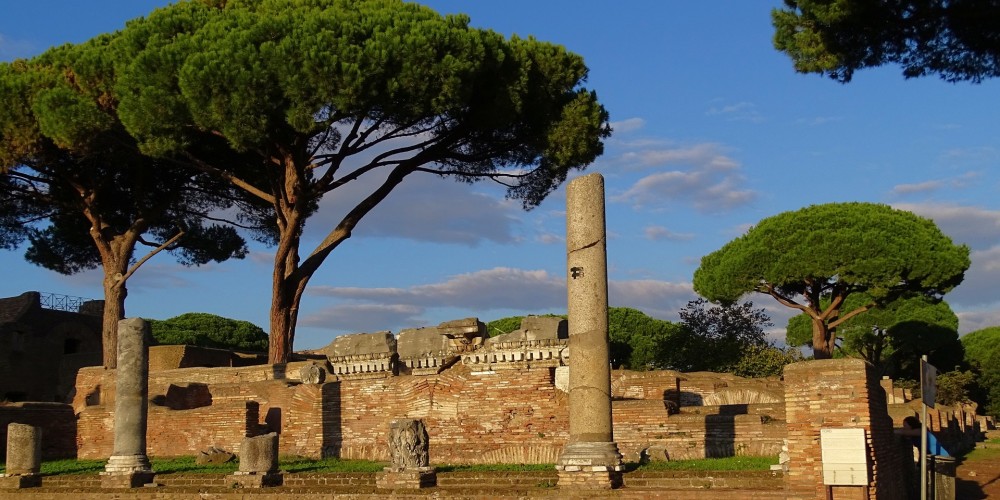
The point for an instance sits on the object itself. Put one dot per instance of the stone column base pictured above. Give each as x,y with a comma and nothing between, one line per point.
16,482
590,480
414,479
591,465
254,480
126,479
126,464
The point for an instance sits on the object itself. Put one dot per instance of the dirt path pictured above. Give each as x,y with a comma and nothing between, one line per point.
978,478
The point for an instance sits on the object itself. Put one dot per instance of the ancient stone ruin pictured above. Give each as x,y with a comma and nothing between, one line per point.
409,458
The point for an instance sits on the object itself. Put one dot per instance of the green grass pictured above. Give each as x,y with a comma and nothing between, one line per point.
293,464
725,463
981,455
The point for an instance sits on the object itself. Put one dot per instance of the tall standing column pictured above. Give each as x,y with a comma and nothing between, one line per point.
129,466
590,458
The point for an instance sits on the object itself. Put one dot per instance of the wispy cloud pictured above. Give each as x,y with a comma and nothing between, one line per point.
628,125
13,49
710,180
740,111
657,233
424,208
957,182
977,227
705,190
817,121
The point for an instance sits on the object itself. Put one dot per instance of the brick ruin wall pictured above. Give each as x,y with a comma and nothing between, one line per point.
840,394
504,416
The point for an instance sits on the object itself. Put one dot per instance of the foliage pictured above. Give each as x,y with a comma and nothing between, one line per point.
638,341
503,325
894,336
831,252
713,464
765,361
982,351
290,101
75,187
714,338
956,40
953,388
209,330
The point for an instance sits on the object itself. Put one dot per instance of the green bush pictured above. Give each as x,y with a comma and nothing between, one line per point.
209,330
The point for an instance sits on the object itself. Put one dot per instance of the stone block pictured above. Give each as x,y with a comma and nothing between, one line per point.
259,454
411,479
12,482
254,480
360,343
126,479
24,449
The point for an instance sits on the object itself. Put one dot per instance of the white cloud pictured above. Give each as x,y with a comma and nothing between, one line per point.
491,289
704,189
365,317
423,208
741,111
660,299
958,182
550,238
705,156
977,227
628,125
657,233
979,287
970,321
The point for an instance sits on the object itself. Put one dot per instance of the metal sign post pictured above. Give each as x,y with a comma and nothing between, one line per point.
928,393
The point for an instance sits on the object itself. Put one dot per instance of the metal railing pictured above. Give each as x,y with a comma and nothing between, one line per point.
60,302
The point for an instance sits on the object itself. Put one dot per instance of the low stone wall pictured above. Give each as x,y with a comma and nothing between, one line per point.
515,415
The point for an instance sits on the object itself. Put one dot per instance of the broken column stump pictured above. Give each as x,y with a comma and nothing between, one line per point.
258,463
408,450
24,457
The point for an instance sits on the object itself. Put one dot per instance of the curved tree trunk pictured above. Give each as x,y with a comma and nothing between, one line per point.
114,311
822,339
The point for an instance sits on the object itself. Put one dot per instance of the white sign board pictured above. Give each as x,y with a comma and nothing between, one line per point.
845,457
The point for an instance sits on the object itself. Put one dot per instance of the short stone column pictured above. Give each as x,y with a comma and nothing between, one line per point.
24,457
129,466
258,463
591,458
408,450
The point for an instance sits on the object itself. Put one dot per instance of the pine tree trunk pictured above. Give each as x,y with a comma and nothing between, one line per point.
822,340
114,311
279,347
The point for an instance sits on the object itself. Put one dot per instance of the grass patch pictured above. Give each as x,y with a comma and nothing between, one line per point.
187,465
982,455
294,464
724,463
494,467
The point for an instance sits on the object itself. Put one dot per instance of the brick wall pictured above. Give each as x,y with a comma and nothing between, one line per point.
839,393
56,420
506,416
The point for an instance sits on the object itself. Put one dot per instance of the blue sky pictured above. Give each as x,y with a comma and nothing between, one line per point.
713,132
